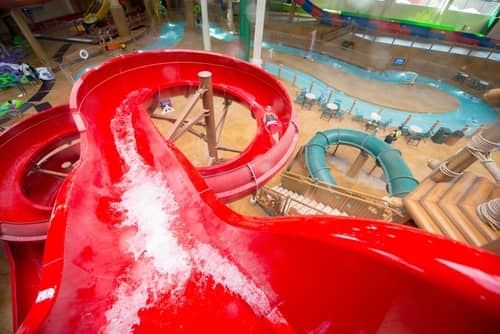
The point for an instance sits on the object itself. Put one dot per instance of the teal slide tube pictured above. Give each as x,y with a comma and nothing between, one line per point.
400,180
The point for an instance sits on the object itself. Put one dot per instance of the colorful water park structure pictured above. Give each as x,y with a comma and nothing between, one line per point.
108,227
93,214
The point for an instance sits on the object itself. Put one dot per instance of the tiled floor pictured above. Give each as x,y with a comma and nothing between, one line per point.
415,97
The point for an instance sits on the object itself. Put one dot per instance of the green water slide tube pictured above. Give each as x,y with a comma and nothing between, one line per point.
400,180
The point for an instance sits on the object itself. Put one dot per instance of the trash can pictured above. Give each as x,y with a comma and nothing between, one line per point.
441,135
454,137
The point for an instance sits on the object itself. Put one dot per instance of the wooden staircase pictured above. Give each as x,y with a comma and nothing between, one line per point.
449,208
301,195
301,205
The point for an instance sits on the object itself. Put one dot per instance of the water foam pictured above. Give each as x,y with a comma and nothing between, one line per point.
162,264
148,206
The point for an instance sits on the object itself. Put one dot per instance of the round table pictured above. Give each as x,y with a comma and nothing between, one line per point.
310,96
332,106
375,116
414,129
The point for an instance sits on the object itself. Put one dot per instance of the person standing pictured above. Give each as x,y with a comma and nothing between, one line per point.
390,138
397,133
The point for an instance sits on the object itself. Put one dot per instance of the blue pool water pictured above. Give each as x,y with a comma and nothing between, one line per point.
170,35
472,111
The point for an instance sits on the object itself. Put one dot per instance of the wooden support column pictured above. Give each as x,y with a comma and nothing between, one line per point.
357,164
18,16
291,14
208,106
120,19
189,15
148,6
464,158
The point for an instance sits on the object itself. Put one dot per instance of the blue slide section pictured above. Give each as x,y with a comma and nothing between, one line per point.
400,180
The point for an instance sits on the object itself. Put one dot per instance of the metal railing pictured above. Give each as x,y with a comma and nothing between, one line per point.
373,61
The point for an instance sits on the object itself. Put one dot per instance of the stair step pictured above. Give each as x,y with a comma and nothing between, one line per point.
430,203
307,201
449,205
416,211
320,206
478,193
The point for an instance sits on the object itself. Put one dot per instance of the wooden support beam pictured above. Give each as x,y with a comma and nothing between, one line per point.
51,172
220,122
185,112
228,149
173,119
187,125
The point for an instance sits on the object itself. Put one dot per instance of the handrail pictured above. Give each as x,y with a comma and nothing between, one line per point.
379,63
352,202
427,40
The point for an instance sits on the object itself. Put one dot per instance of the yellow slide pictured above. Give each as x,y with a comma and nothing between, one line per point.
96,11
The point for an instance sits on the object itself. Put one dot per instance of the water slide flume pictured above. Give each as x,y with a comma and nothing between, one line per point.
28,191
45,147
139,243
400,180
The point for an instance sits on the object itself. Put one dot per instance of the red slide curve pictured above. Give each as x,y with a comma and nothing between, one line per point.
49,140
45,141
138,243
28,195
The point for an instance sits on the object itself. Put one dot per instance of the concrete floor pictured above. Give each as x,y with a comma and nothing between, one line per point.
240,127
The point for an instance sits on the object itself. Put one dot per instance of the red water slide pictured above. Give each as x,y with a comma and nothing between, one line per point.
138,243
44,147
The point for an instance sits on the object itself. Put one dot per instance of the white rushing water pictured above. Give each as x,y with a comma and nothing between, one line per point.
163,265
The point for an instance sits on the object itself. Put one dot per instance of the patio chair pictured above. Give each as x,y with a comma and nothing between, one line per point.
385,123
357,116
340,113
414,139
327,114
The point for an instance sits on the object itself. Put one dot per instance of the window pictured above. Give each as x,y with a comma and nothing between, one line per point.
482,7
425,3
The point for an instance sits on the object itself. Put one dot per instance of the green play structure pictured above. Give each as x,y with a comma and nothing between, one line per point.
400,180
5,110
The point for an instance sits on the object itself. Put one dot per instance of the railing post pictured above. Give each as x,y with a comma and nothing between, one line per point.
352,106
311,86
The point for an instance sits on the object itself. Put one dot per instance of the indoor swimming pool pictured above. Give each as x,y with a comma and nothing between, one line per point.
472,111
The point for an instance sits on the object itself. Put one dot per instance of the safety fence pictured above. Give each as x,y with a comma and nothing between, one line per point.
353,203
